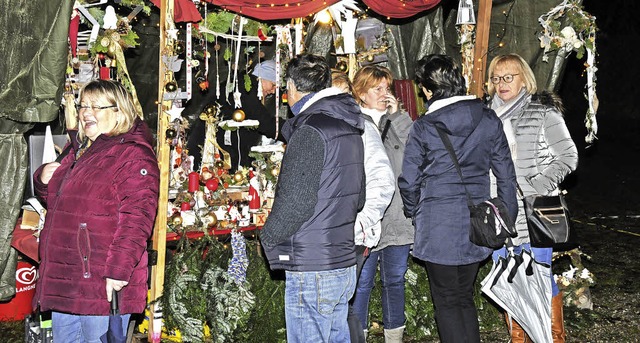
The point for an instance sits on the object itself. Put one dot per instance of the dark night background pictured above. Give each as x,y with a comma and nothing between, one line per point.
607,180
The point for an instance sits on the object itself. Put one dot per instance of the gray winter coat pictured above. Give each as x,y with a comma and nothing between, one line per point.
396,228
545,153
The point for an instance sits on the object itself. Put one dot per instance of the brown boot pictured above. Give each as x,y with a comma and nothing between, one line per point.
557,320
517,332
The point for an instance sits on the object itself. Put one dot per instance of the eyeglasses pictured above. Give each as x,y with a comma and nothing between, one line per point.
381,89
507,78
93,108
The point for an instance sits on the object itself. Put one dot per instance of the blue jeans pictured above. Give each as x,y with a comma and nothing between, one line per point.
542,255
82,328
316,305
393,265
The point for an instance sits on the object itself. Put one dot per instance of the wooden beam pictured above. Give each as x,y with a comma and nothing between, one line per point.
163,153
481,48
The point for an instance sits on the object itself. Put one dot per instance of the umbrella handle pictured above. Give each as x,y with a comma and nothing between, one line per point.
115,309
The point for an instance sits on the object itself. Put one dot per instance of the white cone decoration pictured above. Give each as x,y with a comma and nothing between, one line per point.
49,150
465,13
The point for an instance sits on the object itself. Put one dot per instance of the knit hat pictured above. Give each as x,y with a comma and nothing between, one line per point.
266,70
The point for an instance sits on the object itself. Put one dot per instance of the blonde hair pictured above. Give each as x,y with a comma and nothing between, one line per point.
114,94
340,79
521,66
368,77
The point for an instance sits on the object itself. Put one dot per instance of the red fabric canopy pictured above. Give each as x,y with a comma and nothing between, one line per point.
286,9
183,11
186,11
400,8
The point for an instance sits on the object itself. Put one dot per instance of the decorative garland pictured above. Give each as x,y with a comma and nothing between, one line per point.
578,34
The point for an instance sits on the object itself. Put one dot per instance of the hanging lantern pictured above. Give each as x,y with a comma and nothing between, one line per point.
238,115
465,13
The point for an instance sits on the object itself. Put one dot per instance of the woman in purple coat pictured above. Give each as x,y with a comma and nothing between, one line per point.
101,201
434,194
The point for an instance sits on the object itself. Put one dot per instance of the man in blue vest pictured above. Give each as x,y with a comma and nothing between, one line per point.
309,232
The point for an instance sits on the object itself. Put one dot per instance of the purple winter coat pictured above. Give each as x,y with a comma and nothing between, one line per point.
100,213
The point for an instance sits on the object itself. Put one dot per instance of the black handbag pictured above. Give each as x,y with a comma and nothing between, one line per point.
548,220
490,225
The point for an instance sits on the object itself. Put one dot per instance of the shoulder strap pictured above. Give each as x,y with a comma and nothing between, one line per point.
385,130
452,153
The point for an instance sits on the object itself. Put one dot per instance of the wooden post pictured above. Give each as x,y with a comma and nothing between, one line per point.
481,48
163,153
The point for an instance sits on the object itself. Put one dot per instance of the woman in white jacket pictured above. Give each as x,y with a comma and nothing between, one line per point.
379,176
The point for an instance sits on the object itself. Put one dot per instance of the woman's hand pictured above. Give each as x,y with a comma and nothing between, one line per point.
47,172
392,103
116,285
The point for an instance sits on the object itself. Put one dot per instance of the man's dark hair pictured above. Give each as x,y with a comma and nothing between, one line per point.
309,73
441,75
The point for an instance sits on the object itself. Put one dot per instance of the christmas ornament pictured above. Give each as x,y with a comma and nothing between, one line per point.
205,175
204,85
370,58
178,47
238,115
176,219
185,206
219,164
212,184
171,133
254,186
342,66
171,86
238,177
210,219
275,171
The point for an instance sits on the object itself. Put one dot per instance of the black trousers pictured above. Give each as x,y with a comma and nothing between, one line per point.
452,295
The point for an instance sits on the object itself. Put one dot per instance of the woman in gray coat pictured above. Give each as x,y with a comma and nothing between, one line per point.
371,88
434,194
543,153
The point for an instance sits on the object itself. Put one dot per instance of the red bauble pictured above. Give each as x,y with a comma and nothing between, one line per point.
212,184
185,206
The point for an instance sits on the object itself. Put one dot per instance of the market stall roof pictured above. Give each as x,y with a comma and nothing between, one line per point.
287,9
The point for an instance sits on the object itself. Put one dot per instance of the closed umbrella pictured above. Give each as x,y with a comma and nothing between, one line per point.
115,333
522,287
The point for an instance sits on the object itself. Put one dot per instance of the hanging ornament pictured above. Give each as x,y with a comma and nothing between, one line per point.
275,171
178,47
370,58
185,206
171,133
239,262
261,35
176,219
238,115
171,86
219,164
342,66
238,177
